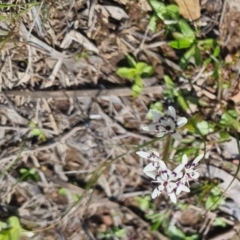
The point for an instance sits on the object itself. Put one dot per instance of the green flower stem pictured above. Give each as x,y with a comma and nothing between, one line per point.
166,148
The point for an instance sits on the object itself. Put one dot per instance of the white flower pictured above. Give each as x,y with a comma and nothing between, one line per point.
189,167
153,167
167,180
166,123
189,172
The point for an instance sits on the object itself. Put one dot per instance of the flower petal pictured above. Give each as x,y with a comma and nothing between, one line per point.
171,186
150,128
143,154
184,159
176,172
181,188
176,136
162,165
181,121
156,115
197,159
153,156
151,167
161,134
172,124
151,174
157,191
172,112
173,197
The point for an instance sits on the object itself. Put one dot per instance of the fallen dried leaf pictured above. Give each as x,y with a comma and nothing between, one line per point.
78,37
189,9
116,12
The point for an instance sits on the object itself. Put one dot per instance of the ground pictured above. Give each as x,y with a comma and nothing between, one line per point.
71,123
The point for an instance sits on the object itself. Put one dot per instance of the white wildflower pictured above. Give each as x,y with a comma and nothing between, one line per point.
166,123
152,167
167,180
189,172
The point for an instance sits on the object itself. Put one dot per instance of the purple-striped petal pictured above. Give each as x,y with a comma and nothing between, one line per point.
156,115
172,112
157,191
151,167
197,159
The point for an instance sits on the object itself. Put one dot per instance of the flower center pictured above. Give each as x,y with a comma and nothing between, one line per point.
168,128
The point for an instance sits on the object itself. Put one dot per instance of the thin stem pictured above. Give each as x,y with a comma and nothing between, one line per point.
166,148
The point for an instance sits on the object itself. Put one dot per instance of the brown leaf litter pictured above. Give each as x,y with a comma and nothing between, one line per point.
58,70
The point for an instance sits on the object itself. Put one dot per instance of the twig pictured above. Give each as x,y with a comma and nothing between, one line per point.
134,194
120,92
224,7
51,118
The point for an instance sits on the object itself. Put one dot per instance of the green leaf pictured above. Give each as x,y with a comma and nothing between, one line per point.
207,43
216,51
155,226
204,128
233,113
186,29
140,66
219,222
148,70
173,11
157,6
180,44
152,23
178,35
207,61
176,233
186,57
224,135
138,81
62,191
35,132
168,81
197,56
128,73
120,233
216,191
131,61
136,90
182,103
144,202
39,133
228,120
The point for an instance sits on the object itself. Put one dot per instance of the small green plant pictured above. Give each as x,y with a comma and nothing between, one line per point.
63,191
176,233
12,230
162,219
229,119
156,218
185,38
35,131
169,14
135,72
112,233
29,174
213,200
